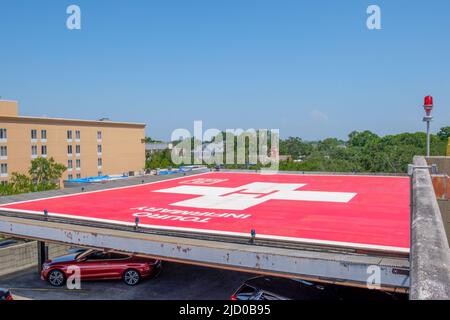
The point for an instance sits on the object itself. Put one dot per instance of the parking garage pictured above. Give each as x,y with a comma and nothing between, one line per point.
330,228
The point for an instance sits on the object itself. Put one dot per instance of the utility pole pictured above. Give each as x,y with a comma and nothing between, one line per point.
428,107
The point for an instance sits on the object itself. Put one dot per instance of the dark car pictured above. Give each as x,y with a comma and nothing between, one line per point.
5,294
100,265
7,242
271,288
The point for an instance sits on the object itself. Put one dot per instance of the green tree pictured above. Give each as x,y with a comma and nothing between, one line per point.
151,140
43,171
295,147
6,189
361,139
21,183
365,152
444,133
159,159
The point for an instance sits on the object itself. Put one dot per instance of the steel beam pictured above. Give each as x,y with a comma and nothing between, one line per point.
325,266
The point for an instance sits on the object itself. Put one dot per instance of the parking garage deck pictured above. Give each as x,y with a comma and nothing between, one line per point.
310,226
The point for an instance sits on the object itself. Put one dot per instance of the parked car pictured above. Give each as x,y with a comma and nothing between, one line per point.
7,242
100,265
5,294
271,288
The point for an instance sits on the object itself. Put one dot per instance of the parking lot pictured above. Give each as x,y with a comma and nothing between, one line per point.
176,281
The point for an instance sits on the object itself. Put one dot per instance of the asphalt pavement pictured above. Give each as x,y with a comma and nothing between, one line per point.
175,282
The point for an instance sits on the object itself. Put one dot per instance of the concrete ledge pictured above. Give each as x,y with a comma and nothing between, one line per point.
319,266
430,253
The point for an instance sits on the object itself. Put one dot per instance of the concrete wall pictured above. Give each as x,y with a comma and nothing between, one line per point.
444,206
23,256
430,253
443,164
441,184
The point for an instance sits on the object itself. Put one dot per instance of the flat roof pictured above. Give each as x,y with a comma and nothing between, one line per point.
63,120
362,212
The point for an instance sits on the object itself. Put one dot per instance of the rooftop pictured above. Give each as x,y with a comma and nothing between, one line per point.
9,112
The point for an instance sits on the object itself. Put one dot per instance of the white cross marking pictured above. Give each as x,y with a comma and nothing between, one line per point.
250,195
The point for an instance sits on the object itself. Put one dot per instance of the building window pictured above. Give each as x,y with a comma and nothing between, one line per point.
99,162
34,151
100,173
3,151
99,148
77,135
44,151
78,175
33,134
69,164
69,134
3,134
69,150
99,135
4,169
77,149
78,163
44,134
70,176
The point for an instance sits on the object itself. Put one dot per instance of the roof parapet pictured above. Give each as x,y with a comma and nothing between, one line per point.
430,253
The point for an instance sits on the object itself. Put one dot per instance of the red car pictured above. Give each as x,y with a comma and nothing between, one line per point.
100,265
5,295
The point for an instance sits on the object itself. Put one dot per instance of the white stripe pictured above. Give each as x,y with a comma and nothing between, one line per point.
320,196
103,190
197,190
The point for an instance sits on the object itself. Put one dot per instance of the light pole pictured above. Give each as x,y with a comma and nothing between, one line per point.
428,106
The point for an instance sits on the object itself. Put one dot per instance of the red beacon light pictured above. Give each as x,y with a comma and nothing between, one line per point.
428,101
428,105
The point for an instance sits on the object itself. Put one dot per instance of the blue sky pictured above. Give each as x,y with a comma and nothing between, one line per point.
309,68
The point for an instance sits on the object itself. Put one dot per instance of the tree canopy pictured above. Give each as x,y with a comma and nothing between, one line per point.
46,171
363,151
444,133
43,175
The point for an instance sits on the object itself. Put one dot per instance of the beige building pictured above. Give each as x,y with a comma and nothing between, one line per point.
86,148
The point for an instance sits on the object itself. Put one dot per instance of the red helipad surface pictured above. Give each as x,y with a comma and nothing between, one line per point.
368,212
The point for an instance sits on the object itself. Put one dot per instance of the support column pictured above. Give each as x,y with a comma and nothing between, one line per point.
42,250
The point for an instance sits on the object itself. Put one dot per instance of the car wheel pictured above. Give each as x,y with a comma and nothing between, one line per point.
131,277
56,278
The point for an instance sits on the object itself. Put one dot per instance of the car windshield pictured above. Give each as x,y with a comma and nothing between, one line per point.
100,255
84,254
246,292
79,255
269,296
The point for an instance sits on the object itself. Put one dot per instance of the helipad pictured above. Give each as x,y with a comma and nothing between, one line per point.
362,212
